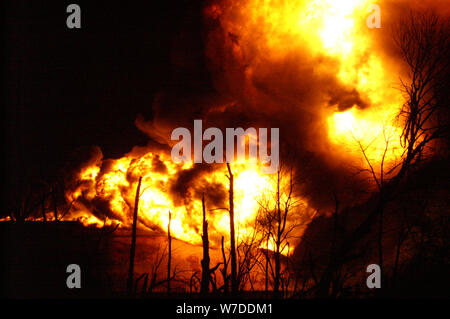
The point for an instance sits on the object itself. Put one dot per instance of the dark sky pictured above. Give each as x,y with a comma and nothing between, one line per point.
70,88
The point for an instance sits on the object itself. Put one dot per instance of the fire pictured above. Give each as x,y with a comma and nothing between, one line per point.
375,128
155,201
332,35
377,137
343,36
327,30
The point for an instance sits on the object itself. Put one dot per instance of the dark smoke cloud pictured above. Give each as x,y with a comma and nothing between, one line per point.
288,93
346,99
158,165
210,81
249,90
83,157
189,185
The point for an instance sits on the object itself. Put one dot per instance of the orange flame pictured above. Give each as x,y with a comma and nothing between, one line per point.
327,29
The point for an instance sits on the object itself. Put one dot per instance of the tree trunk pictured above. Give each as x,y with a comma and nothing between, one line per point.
169,258
267,262
133,241
276,285
234,287
205,261
224,270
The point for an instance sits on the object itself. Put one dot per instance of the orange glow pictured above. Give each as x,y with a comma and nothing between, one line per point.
156,202
268,31
336,32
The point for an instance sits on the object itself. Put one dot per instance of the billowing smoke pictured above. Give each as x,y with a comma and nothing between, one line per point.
262,75
255,65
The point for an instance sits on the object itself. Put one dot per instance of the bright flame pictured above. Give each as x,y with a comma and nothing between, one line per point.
325,29
378,138
156,201
333,31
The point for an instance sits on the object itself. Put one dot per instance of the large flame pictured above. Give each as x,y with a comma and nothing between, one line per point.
326,29
155,199
337,31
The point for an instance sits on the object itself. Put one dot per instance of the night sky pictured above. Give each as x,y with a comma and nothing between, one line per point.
72,88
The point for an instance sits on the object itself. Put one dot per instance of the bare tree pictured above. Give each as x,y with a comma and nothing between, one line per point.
26,200
158,258
267,222
277,212
61,206
208,275
133,241
380,177
225,276
248,254
205,261
423,40
424,43
169,257
234,285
